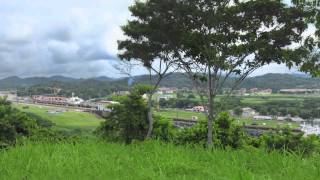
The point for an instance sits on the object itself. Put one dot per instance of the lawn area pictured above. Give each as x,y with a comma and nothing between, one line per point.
180,114
254,100
150,160
69,120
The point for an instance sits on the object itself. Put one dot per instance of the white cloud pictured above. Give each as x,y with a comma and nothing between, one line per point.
72,38
273,68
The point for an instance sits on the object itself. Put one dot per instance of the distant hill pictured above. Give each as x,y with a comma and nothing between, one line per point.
102,86
103,78
174,80
281,81
273,81
15,82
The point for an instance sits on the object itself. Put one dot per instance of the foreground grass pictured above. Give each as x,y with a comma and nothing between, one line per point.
151,160
67,120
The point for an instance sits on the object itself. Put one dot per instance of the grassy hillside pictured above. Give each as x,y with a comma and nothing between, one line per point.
151,160
70,120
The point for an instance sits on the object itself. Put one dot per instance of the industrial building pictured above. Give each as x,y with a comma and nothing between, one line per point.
50,100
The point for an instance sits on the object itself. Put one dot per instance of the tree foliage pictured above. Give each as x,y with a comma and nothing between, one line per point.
226,134
213,40
147,42
128,120
14,124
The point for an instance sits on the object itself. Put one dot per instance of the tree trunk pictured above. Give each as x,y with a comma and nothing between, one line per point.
150,118
210,108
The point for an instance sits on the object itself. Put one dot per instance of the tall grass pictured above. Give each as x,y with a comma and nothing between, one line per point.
149,160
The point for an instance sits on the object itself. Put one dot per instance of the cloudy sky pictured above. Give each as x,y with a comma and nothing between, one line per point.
76,38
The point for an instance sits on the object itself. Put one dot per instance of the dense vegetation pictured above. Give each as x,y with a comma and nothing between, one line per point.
18,123
128,123
14,124
177,154
150,160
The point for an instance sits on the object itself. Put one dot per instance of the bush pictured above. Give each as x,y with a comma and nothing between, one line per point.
285,141
14,124
225,133
163,129
127,121
194,135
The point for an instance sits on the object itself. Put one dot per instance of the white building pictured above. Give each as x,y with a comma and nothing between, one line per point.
165,97
75,100
104,103
297,119
288,118
165,90
248,112
198,109
284,118
262,118
299,91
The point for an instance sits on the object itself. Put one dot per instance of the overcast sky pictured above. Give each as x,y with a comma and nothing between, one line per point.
76,38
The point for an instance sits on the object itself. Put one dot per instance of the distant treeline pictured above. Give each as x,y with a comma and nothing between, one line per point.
102,86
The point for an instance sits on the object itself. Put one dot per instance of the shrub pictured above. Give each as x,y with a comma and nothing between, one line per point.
14,124
127,121
194,135
225,133
285,140
163,129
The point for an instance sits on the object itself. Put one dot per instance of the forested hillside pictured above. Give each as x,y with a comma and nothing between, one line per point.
281,81
102,86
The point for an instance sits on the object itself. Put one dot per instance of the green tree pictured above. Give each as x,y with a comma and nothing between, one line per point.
229,43
215,40
311,63
226,38
128,120
146,42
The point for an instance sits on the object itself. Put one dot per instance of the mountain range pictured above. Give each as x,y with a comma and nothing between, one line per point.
273,81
